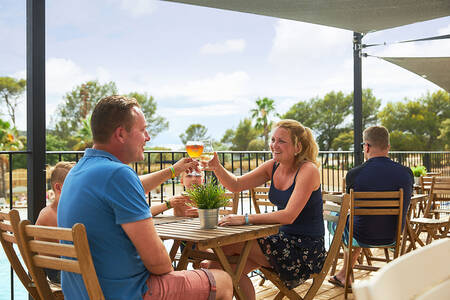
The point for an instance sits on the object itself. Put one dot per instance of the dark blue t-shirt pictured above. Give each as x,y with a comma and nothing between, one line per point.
310,220
379,174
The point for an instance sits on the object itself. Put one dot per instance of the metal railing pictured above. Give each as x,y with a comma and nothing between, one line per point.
334,166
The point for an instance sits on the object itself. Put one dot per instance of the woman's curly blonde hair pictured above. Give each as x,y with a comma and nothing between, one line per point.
302,136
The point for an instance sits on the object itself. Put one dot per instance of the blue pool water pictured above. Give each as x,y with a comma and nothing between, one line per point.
5,281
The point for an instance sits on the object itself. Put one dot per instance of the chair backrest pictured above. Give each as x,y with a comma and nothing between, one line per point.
9,225
335,209
440,192
337,203
433,173
233,204
420,274
45,253
425,183
260,197
378,203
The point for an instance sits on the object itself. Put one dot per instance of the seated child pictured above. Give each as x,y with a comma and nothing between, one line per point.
47,216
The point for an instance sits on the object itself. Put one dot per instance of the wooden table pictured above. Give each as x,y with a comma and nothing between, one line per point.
188,229
408,232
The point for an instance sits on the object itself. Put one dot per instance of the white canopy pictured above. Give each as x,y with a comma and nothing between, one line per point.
356,15
434,69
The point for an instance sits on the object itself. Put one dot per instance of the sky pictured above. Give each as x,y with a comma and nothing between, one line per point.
205,65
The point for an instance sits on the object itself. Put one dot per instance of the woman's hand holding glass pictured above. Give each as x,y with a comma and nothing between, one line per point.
186,164
212,164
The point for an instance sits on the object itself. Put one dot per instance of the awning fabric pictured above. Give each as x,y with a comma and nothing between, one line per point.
434,69
356,15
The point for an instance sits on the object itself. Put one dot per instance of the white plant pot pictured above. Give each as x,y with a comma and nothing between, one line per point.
208,218
417,180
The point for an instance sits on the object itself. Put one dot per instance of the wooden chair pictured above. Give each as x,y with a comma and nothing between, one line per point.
7,239
439,195
373,204
425,183
75,257
260,197
9,226
334,203
233,204
435,228
421,274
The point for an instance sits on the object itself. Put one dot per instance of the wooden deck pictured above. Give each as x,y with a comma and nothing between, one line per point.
327,291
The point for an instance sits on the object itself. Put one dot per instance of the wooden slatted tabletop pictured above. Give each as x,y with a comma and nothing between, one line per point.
188,229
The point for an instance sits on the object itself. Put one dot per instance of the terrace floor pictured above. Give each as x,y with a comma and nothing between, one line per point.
327,291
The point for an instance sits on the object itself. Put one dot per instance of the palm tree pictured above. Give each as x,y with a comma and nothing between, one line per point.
261,113
84,135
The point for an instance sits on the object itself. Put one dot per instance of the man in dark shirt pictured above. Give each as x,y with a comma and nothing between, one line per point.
378,173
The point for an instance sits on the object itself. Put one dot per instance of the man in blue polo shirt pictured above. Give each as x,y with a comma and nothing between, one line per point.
378,173
108,197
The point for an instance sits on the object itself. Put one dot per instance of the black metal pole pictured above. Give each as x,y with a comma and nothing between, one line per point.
35,107
357,98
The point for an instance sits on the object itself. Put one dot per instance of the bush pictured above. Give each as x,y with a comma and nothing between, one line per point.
419,171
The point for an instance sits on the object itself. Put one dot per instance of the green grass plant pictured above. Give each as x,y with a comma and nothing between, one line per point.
419,171
208,196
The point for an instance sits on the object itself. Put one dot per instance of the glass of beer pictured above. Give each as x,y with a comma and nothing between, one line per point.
194,149
208,151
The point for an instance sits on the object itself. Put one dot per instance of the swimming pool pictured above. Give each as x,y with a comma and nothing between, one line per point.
20,293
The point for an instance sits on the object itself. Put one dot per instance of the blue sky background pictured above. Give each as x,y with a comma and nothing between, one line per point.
205,65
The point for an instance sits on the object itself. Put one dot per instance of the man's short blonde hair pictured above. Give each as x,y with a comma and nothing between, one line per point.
59,172
377,136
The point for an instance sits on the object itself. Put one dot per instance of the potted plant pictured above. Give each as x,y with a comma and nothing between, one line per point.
417,172
208,198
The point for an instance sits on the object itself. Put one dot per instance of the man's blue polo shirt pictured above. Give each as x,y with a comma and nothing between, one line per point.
102,193
379,174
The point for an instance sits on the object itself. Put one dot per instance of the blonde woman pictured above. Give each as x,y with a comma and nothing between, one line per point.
297,250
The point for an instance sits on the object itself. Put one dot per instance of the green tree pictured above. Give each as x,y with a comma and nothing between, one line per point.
155,124
304,112
9,141
84,136
445,134
370,108
195,132
54,143
325,116
256,145
265,107
10,91
416,124
227,139
243,135
343,141
78,105
331,113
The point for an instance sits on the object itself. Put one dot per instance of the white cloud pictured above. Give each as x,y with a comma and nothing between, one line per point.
220,87
309,60
237,45
63,74
206,110
138,8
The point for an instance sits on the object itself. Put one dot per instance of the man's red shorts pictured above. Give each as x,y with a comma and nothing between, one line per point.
192,284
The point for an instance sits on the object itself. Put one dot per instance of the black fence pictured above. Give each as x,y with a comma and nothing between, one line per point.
334,166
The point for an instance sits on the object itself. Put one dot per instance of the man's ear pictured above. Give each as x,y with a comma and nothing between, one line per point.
119,134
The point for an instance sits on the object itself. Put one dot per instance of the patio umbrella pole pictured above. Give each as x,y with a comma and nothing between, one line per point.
357,98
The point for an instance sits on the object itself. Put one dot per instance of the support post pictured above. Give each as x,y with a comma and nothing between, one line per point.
357,98
35,107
